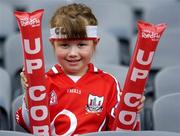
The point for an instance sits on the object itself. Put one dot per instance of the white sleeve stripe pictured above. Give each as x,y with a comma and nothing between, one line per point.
118,90
118,95
112,113
100,128
54,70
117,87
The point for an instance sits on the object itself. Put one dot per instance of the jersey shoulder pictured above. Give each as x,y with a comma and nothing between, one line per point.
107,76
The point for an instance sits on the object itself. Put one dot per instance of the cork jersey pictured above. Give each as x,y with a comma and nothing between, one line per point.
87,105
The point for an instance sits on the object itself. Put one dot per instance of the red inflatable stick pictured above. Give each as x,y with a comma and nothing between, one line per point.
147,41
30,27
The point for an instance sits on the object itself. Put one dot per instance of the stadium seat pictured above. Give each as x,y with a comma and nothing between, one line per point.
158,13
132,133
141,6
167,81
13,58
118,71
4,122
7,26
113,16
166,113
5,99
7,19
148,3
18,3
21,4
13,133
108,49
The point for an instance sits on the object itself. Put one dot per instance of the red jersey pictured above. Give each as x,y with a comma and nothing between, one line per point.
87,105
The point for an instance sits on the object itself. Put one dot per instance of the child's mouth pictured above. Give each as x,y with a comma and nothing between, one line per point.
74,61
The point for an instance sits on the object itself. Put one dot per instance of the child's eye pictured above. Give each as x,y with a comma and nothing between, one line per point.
82,44
64,45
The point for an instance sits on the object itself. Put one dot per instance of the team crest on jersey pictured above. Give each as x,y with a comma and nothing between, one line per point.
53,98
94,104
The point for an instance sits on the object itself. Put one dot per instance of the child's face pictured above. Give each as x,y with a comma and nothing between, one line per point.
74,56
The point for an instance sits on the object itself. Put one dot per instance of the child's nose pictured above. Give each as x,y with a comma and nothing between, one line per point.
73,51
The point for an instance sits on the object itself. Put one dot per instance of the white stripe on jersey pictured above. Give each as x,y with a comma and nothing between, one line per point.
54,70
118,94
100,128
95,69
112,112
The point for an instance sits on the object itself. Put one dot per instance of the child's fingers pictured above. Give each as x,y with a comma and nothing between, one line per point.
24,85
23,77
24,81
141,105
143,99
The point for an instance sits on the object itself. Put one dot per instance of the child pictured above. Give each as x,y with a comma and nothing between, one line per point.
82,98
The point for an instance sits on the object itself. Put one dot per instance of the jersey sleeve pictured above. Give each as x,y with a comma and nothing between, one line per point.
112,104
20,118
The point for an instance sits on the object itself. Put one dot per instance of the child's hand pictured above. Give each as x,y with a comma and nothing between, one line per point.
140,107
24,81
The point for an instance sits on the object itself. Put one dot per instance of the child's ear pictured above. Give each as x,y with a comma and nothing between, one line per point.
97,40
51,41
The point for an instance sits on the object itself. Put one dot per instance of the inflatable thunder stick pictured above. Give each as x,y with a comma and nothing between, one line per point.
30,28
147,41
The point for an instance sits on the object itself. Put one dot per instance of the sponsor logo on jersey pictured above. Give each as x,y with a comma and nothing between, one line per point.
53,98
94,104
74,91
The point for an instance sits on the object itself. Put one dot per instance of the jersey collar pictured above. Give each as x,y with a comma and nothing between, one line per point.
57,69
